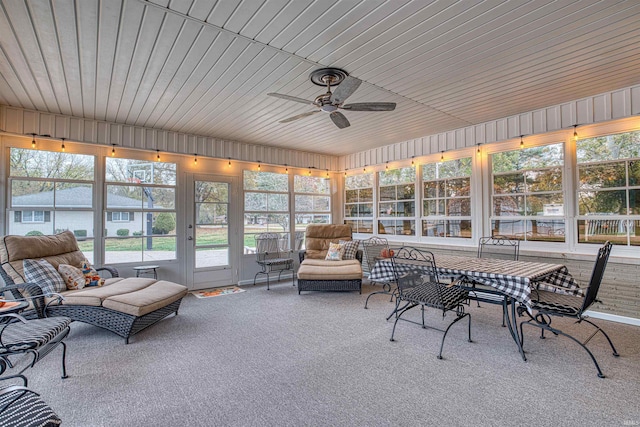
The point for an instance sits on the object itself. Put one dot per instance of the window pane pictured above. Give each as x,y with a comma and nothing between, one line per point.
359,181
80,222
161,248
387,209
509,183
602,230
508,205
351,196
548,230
434,189
458,187
123,250
388,193
544,180
50,164
397,176
634,173
73,195
602,175
278,202
602,202
537,205
140,171
398,227
634,202
255,202
634,230
265,181
304,203
310,184
406,192
124,197
459,207
445,228
365,209
31,193
610,147
513,229
433,207
159,198
528,158
406,208
366,195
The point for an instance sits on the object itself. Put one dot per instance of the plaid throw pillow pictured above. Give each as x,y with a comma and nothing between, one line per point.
40,272
335,252
350,248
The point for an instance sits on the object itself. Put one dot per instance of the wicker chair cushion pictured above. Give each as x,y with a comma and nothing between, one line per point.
564,303
316,269
20,407
44,274
31,334
151,298
318,237
95,295
435,295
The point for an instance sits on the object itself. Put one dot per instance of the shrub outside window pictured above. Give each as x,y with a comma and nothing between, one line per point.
358,208
51,192
446,199
142,194
609,189
396,204
527,199
266,205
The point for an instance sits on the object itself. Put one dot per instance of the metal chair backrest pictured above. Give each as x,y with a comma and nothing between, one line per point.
373,248
425,261
267,246
596,276
511,246
409,281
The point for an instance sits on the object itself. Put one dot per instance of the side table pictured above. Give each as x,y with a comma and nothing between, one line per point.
147,269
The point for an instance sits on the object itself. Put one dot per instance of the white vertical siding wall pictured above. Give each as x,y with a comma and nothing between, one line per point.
600,108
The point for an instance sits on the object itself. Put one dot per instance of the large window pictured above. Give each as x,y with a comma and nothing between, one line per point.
527,199
52,192
140,211
396,204
266,205
446,199
609,189
312,205
358,208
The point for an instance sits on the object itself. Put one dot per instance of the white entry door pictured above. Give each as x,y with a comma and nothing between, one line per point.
212,232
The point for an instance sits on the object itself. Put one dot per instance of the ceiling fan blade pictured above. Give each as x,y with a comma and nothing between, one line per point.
339,119
299,116
370,106
345,89
291,98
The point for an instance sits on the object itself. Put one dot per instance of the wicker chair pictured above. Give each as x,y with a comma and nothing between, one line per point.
270,257
34,337
415,291
549,303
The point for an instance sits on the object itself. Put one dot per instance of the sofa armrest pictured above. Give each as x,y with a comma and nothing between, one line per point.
111,270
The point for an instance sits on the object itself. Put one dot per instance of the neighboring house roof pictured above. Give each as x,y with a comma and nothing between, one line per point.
79,197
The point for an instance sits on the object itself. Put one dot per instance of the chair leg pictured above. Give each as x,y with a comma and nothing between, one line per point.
408,306
449,327
599,329
64,360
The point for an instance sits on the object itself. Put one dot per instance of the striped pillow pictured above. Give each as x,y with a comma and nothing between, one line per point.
43,274
350,248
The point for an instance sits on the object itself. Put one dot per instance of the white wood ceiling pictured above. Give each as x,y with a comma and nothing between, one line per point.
205,67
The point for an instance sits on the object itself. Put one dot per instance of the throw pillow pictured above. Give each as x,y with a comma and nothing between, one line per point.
40,272
73,276
335,252
350,248
91,276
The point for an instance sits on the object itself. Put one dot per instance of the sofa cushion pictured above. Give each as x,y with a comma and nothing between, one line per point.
316,269
40,272
56,249
144,301
318,237
96,295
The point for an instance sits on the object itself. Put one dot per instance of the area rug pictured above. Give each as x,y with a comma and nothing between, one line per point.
216,292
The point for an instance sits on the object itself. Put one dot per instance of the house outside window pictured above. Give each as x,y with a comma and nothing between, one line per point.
358,208
396,204
140,211
446,199
609,189
50,192
527,194
266,205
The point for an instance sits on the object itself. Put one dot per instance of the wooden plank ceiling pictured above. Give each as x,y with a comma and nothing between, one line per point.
204,67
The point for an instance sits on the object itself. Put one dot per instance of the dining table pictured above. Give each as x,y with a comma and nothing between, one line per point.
514,279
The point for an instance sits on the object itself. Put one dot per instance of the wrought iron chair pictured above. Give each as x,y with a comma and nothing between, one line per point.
561,303
489,247
36,337
21,407
373,249
271,258
415,291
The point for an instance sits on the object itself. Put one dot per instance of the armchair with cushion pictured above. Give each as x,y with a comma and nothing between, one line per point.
319,274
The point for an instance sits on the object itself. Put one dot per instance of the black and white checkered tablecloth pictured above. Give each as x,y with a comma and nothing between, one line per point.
514,278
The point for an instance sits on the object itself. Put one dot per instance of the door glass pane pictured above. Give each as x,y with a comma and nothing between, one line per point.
212,257
212,223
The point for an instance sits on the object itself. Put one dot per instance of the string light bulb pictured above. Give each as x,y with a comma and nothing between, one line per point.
62,147
158,156
575,133
521,141
387,166
258,165
113,150
327,173
412,162
442,156
478,150
345,173
364,169
309,172
229,164
286,168
33,140
195,158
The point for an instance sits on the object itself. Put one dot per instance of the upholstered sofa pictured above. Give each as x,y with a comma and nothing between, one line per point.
124,306
317,274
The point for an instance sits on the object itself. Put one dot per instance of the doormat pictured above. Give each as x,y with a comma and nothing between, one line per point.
216,292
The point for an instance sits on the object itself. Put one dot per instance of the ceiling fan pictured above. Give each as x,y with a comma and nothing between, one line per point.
330,102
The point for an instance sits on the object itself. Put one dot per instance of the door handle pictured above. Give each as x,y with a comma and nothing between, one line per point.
189,238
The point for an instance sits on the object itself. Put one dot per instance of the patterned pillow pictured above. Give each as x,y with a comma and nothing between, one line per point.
335,252
91,276
73,276
40,272
350,248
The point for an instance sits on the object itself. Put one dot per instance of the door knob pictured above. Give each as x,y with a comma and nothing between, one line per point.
189,238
